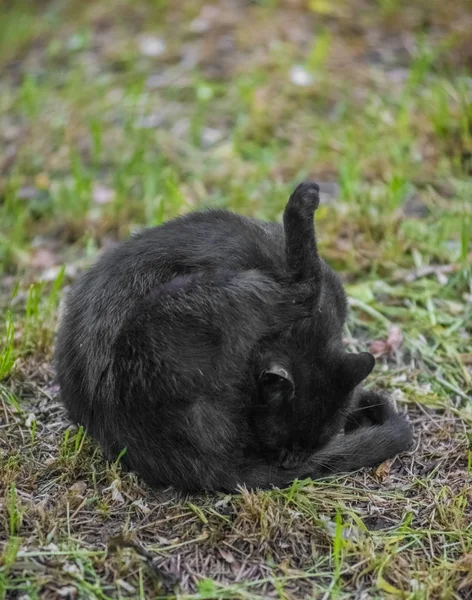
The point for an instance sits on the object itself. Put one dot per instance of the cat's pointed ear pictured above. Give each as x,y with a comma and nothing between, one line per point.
275,384
351,369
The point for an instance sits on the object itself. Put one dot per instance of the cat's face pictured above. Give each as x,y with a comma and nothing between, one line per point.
304,388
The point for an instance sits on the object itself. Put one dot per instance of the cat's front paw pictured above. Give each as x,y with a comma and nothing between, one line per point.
370,408
305,198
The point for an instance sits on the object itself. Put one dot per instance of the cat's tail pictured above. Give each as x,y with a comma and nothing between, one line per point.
365,447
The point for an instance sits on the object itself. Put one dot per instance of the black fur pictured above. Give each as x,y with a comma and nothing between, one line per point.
211,348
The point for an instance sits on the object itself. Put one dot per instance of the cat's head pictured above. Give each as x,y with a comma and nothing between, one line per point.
305,379
303,394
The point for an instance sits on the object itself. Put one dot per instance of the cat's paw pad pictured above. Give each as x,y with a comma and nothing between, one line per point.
306,196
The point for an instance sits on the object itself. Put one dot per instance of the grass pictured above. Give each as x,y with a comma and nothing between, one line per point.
104,130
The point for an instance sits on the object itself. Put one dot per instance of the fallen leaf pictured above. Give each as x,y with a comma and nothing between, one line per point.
116,495
166,541
224,502
378,347
78,488
143,507
227,556
391,344
383,470
395,338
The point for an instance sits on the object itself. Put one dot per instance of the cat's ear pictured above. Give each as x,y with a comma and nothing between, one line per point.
351,369
276,385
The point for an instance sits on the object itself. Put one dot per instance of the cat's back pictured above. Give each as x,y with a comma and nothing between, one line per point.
207,240
211,239
99,303
200,241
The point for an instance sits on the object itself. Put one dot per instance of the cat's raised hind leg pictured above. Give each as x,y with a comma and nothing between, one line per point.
303,260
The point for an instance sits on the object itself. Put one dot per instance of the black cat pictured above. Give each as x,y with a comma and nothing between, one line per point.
211,349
